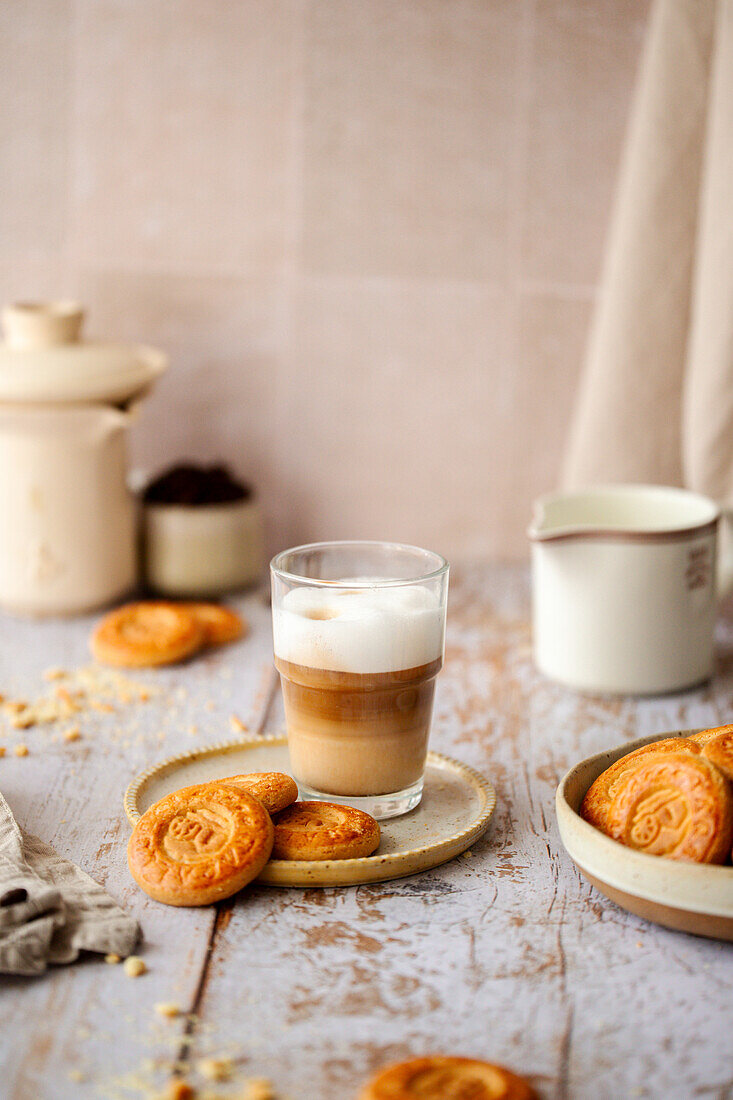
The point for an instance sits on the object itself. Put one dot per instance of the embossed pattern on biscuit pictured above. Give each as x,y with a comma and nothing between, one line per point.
673,804
446,1078
324,830
597,802
200,844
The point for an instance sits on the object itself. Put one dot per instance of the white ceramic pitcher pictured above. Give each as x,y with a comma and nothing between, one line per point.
67,534
625,585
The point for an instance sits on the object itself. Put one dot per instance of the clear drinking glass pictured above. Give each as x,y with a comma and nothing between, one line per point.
359,633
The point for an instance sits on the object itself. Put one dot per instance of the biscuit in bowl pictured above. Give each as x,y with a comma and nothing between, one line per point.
275,790
673,804
200,844
324,830
220,624
597,802
446,1078
717,745
144,634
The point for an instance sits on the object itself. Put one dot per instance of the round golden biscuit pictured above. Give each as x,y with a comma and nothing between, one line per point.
717,746
444,1078
674,804
598,798
275,790
138,635
324,830
200,844
220,624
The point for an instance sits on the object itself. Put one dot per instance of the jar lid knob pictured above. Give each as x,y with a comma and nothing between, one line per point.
41,324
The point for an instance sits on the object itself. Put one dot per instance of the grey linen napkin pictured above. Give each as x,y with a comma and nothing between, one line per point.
50,910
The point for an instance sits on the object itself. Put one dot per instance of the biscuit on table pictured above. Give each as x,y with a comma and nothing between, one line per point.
599,795
152,632
275,790
717,745
200,844
674,804
220,624
324,830
437,1078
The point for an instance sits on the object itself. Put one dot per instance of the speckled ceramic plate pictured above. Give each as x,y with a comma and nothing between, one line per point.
689,897
456,808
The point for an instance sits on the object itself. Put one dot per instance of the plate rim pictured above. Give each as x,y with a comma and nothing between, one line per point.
644,876
284,867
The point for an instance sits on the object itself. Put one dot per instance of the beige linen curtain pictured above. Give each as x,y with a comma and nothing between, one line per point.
656,397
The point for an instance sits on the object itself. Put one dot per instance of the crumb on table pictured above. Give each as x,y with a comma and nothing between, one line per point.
134,966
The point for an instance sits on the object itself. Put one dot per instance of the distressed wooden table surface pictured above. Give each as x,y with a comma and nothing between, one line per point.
507,954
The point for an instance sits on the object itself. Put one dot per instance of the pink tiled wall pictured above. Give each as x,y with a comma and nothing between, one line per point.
367,231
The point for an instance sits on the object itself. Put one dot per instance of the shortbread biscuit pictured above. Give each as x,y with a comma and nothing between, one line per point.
150,633
438,1078
674,804
200,844
717,745
275,790
220,624
598,797
324,830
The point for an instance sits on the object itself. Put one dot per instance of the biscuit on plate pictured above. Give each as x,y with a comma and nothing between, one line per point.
674,804
220,624
200,844
437,1078
324,830
152,632
717,745
599,795
275,790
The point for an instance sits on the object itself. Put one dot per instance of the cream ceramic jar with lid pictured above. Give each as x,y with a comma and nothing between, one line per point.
68,536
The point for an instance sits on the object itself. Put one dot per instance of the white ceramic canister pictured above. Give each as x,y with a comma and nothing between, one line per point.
202,550
625,588
68,532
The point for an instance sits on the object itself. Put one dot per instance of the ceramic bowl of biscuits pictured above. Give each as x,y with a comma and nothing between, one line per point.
650,825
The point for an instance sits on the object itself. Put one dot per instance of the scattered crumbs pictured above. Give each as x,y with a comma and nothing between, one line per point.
2,750
193,730
258,1088
211,705
237,725
55,674
639,943
467,854
134,966
72,734
21,750
167,1010
75,1075
112,959
177,1089
215,1069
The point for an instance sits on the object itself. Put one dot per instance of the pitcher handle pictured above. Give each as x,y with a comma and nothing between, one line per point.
725,554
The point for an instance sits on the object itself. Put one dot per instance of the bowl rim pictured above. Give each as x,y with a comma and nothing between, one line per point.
652,878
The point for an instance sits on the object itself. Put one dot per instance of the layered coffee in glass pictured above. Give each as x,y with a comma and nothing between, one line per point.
359,631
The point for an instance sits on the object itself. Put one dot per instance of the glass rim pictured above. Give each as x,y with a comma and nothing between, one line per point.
396,582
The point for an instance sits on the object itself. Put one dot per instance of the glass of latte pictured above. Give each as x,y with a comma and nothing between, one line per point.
359,630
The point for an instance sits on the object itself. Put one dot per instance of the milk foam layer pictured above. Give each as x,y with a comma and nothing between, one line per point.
363,630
